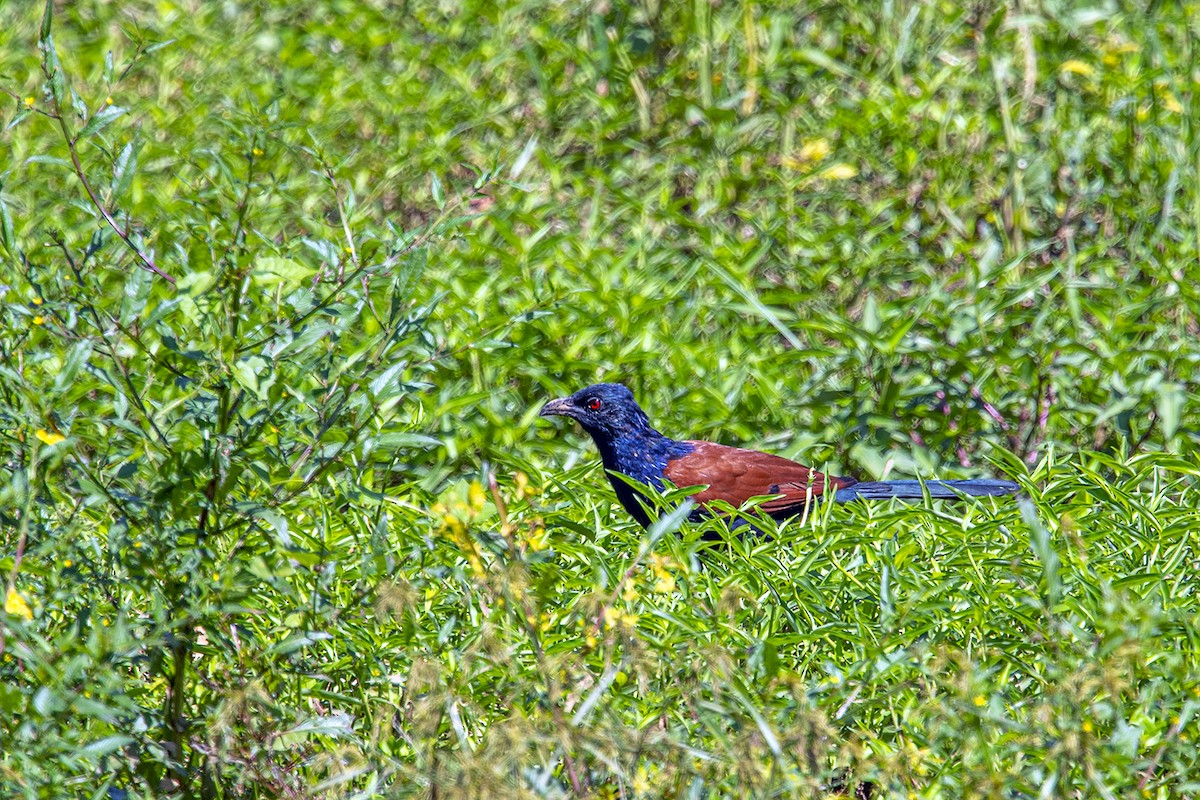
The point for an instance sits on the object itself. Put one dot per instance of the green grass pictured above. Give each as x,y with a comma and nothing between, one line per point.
286,523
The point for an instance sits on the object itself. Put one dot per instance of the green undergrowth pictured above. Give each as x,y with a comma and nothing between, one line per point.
284,286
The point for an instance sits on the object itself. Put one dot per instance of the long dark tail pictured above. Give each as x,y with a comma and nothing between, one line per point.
912,490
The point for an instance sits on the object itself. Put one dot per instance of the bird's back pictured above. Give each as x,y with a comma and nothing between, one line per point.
734,475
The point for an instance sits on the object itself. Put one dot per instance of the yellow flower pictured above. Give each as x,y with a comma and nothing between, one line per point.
641,781
15,604
980,701
37,301
810,152
537,540
1076,67
1170,103
39,319
257,151
664,581
475,495
1114,51
838,172
1087,726
29,101
68,563
108,101
814,150
49,437
611,617
523,489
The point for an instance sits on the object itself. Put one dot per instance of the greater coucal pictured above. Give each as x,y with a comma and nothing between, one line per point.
630,446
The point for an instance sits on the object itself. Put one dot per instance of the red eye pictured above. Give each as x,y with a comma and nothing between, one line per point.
594,403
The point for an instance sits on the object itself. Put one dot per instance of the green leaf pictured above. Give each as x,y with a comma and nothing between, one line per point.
1042,545
250,372
76,358
7,236
389,442
47,20
524,158
770,656
297,641
53,69
12,700
1171,399
45,702
21,115
387,384
279,524
109,744
285,272
125,167
101,120
870,315
51,160
436,188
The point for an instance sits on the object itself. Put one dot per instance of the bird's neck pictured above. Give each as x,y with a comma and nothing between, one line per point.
641,454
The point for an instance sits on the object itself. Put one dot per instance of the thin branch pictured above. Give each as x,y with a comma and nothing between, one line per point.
72,141
112,348
1172,735
342,216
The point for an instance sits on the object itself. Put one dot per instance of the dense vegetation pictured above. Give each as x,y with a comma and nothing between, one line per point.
285,285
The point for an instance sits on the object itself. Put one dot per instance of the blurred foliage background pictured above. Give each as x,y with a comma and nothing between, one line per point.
284,286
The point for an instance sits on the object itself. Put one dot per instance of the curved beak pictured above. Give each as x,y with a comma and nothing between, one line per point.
559,407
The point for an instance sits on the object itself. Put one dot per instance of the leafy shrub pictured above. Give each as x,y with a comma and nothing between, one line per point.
285,286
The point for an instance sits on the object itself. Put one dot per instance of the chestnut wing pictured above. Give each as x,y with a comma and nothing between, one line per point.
735,475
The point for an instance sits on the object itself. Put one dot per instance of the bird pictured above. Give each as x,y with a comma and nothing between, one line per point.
630,446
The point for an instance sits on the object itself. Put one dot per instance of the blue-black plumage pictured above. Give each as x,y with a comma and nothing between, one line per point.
630,446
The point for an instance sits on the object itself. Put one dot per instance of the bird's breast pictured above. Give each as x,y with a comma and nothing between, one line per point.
644,461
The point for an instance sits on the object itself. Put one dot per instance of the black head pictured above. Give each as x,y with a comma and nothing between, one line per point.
606,411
